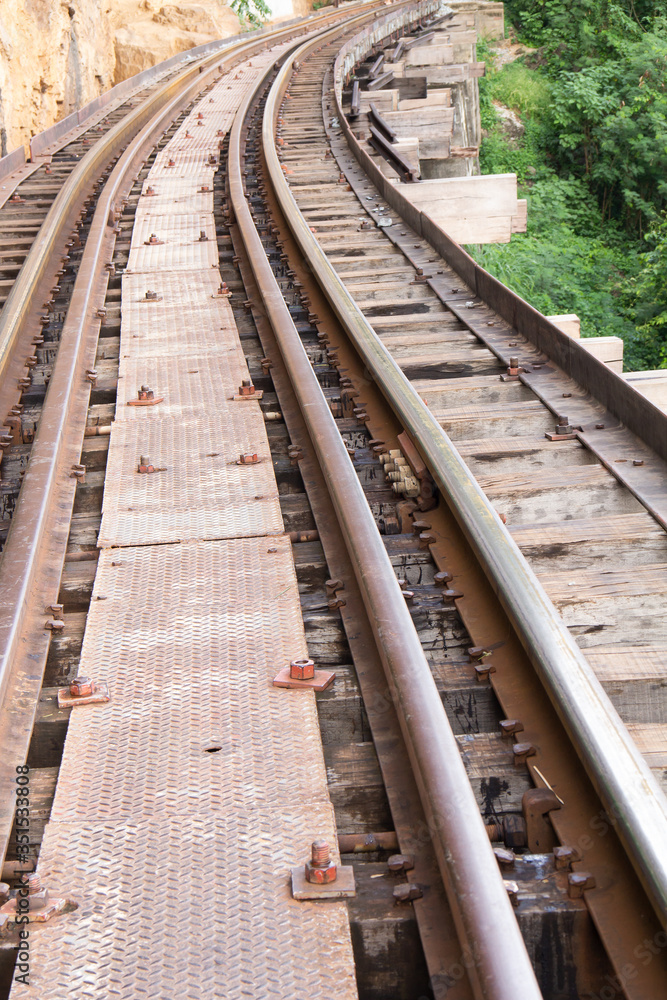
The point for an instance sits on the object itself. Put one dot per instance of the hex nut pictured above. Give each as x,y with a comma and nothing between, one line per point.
321,875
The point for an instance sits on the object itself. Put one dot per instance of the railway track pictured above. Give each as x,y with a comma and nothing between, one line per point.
468,737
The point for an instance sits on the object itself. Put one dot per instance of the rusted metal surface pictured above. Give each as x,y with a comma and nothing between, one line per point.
436,925
475,889
33,556
619,773
196,800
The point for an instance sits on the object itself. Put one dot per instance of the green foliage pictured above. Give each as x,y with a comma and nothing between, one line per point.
611,122
522,89
592,161
252,12
561,264
649,299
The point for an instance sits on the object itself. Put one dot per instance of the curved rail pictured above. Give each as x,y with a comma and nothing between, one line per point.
474,887
619,773
35,547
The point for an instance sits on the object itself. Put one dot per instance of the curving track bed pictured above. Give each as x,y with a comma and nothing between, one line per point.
286,429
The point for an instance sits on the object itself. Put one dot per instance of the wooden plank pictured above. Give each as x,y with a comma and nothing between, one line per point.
635,679
630,539
558,494
518,454
469,422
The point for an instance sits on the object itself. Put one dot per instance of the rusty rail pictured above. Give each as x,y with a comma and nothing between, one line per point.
381,124
33,557
618,771
469,869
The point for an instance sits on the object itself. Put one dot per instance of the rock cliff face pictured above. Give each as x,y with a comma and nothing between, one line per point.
56,55
148,32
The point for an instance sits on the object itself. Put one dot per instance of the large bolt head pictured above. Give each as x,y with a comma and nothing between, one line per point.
321,876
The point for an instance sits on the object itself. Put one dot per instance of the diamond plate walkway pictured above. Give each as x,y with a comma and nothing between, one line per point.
182,804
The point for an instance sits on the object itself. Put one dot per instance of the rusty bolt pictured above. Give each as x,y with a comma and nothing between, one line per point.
332,586
504,857
440,579
145,465
451,595
320,869
302,670
400,862
512,892
203,238
511,726
522,751
426,539
145,392
246,388
149,192
248,458
483,669
151,296
266,364
81,687
599,427
638,461
152,240
578,883
564,856
406,892
171,163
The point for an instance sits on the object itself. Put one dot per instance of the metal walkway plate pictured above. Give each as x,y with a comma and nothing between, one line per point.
192,386
194,635
184,802
201,492
187,317
187,909
179,857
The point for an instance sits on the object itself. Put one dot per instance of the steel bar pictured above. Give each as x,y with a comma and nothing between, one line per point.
355,103
392,155
382,125
622,778
381,81
376,67
470,873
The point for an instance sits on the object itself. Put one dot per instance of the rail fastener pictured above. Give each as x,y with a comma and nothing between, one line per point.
301,674
320,877
145,397
83,691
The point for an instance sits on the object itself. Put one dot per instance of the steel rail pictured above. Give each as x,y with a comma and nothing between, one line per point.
21,550
34,554
627,787
29,287
493,949
32,560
